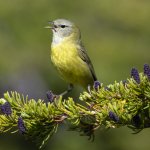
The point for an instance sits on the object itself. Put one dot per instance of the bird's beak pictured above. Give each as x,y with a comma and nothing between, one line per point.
51,25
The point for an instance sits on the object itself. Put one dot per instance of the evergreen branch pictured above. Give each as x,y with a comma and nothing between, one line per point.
120,104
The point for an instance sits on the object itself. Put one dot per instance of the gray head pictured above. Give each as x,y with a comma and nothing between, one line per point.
63,28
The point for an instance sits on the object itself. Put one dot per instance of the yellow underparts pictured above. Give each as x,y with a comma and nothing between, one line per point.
71,67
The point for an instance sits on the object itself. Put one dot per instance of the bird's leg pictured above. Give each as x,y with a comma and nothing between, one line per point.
70,87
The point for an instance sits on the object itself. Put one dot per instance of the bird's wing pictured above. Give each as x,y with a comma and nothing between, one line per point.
84,56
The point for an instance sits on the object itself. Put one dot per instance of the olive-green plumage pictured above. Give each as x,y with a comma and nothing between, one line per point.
68,54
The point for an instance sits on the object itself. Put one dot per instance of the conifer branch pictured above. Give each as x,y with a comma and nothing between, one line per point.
125,103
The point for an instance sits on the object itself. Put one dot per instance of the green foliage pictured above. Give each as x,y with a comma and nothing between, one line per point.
119,104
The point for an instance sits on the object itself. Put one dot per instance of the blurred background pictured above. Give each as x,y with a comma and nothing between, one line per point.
116,35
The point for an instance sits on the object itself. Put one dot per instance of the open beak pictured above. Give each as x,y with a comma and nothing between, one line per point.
51,25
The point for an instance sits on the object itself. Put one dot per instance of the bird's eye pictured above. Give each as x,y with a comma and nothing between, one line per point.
62,26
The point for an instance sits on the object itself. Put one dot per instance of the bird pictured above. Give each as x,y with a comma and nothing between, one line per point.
69,56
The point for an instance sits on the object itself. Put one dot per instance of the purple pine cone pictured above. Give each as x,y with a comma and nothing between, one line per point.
97,84
50,96
6,108
113,116
147,70
135,75
21,126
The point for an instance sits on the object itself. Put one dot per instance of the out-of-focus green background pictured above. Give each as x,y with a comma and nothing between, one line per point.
116,34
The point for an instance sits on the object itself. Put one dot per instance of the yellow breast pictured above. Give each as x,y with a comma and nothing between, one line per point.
71,67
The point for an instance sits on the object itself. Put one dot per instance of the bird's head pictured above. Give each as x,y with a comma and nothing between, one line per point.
63,29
